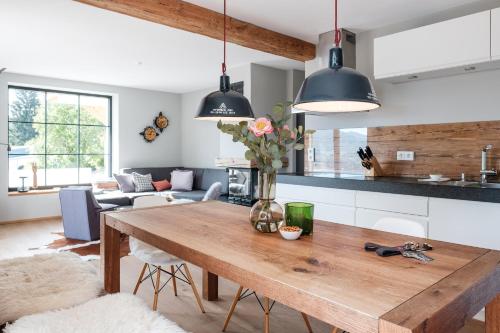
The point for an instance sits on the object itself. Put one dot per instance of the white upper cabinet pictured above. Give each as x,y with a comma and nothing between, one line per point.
449,47
495,34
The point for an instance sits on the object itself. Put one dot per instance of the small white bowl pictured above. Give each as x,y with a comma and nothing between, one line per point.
290,235
435,177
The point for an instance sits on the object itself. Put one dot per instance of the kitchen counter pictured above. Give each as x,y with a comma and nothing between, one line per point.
396,185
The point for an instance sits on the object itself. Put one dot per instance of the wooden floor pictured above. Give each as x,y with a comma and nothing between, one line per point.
17,240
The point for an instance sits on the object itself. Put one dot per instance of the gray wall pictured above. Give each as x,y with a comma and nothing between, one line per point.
133,109
468,97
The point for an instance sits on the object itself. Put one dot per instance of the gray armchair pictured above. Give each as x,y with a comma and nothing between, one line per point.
80,212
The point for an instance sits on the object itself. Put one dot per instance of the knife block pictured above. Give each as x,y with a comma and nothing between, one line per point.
376,170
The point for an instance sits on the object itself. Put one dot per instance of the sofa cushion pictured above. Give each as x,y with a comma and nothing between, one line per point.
196,195
158,173
143,182
162,185
125,182
114,197
211,176
182,180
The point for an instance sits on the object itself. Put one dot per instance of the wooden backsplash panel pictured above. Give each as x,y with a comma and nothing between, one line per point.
447,149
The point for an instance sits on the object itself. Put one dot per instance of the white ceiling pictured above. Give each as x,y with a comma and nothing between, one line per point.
69,40
306,19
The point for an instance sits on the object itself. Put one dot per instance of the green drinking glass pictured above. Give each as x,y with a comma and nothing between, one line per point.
300,214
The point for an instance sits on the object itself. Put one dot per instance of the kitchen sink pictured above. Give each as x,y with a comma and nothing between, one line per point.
461,183
486,185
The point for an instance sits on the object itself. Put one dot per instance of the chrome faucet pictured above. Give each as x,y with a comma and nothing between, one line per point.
484,164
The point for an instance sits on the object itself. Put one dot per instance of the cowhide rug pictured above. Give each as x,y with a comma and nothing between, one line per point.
87,250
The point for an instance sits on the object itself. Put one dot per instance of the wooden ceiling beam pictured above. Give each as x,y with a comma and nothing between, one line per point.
186,16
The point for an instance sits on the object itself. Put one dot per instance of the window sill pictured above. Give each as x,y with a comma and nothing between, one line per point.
34,192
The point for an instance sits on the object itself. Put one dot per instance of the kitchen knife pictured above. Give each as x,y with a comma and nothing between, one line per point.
362,154
369,152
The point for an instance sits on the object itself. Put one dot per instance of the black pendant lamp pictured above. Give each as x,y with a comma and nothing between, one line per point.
336,88
225,104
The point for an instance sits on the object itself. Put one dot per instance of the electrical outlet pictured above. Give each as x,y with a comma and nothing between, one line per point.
405,156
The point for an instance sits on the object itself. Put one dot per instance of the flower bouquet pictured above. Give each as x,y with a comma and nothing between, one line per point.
268,140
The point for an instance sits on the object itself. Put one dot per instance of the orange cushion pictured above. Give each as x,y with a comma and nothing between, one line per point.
161,185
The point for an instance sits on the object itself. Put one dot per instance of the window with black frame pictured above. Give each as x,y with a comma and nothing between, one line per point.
64,136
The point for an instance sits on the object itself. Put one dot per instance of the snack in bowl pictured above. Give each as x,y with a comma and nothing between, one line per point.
290,232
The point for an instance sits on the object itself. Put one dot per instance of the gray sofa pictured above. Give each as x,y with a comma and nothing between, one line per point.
203,178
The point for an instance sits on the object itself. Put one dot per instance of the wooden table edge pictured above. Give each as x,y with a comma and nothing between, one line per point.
446,305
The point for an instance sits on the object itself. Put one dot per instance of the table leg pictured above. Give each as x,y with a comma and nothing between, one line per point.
110,256
210,286
493,316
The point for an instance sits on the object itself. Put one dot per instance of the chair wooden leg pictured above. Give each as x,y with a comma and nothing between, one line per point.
140,278
335,330
233,306
266,315
306,320
193,286
157,288
172,270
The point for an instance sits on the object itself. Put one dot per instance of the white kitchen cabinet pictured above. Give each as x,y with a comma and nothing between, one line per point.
495,34
366,218
397,203
332,205
325,195
327,212
465,222
453,44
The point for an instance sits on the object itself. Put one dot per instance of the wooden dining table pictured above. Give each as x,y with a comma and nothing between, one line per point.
327,275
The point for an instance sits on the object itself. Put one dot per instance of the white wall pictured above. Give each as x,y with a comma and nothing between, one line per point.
202,142
133,109
468,97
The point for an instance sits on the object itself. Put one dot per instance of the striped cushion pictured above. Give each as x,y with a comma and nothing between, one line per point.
142,182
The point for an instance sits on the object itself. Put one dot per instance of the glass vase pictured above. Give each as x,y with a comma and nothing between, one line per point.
266,214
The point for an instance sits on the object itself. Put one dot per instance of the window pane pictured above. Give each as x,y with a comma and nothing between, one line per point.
26,105
62,108
93,167
62,139
21,166
93,140
27,138
62,169
94,110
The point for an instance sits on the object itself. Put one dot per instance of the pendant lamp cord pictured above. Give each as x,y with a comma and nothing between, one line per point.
224,62
337,32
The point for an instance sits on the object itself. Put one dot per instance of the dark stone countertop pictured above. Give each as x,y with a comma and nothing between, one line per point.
395,185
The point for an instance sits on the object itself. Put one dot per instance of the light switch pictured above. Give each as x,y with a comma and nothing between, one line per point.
405,156
311,154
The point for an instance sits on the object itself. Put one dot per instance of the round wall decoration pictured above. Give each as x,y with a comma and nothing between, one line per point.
161,122
149,134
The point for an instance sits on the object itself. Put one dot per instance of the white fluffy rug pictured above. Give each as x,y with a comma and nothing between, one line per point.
45,282
123,313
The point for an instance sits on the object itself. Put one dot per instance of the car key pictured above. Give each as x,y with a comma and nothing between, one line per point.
417,255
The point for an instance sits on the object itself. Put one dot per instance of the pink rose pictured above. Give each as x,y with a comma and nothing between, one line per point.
261,126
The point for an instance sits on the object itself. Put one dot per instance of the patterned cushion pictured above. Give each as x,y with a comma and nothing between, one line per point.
142,182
